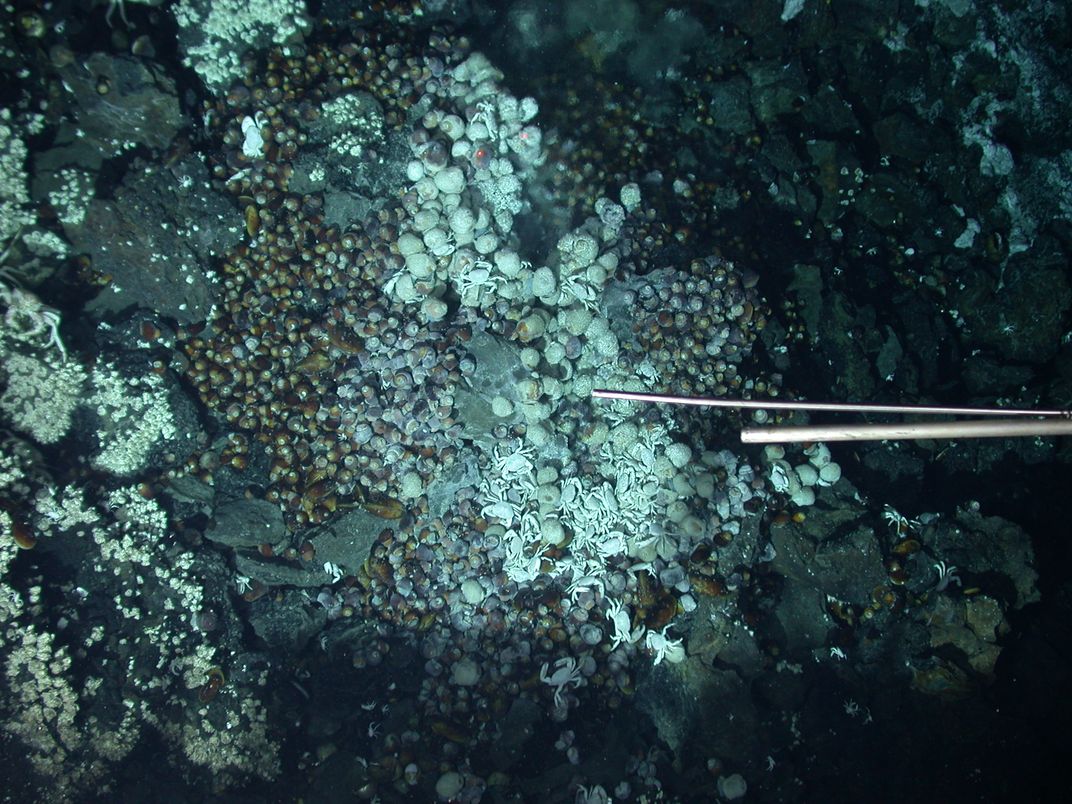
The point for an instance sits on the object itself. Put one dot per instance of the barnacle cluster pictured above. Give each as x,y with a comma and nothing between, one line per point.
343,390
695,325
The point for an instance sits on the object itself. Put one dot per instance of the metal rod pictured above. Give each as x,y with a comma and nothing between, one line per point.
977,428
768,404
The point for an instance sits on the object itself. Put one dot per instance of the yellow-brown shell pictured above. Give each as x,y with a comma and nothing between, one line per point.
253,220
385,508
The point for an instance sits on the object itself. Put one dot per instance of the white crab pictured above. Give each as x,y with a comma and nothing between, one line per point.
531,525
519,566
662,541
898,522
440,243
402,282
496,501
572,289
585,583
514,461
647,372
28,316
472,276
591,795
566,674
619,617
602,501
571,490
611,544
664,647
485,113
476,275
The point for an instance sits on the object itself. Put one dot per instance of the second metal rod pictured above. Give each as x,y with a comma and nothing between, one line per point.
632,396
